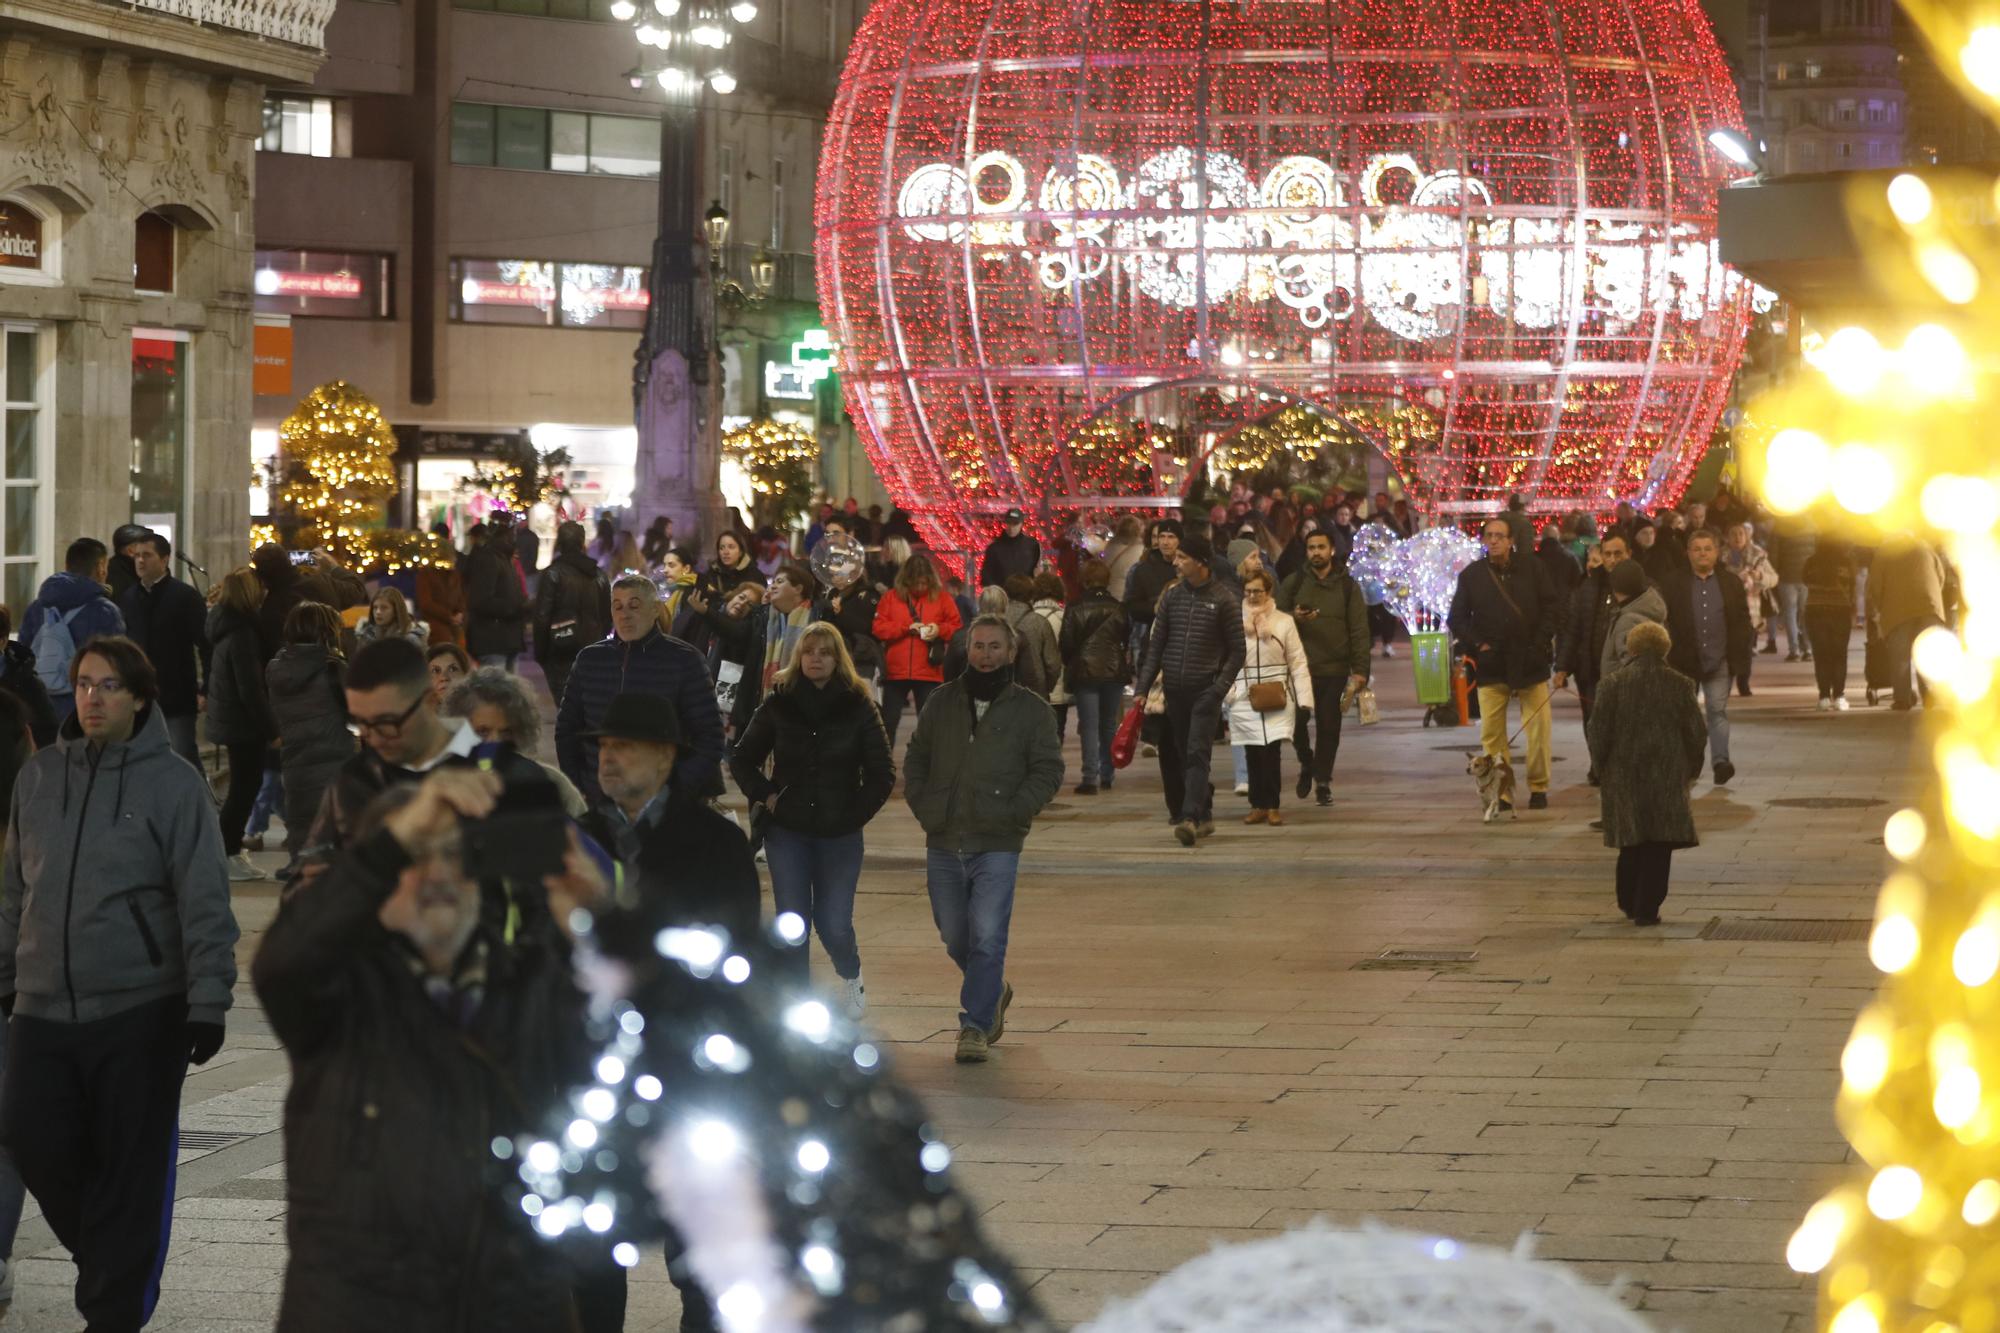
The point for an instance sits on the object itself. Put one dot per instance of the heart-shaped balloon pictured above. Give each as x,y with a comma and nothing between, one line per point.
1414,578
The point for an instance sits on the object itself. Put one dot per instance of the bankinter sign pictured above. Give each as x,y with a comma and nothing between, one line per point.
20,237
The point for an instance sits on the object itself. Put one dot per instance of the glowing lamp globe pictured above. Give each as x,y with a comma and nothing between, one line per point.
1071,248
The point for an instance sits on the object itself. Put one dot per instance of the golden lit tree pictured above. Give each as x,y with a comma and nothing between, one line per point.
1891,428
339,467
778,458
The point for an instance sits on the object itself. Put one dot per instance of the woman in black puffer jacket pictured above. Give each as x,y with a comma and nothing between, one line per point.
311,710
1095,668
830,773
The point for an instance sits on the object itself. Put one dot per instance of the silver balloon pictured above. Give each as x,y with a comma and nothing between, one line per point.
1090,538
838,560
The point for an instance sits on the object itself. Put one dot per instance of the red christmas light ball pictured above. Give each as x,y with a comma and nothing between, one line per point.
1072,250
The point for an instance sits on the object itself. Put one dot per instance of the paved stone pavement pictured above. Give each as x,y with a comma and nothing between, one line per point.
1202,1051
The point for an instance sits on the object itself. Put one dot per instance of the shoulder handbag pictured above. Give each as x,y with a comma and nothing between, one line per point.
1267,696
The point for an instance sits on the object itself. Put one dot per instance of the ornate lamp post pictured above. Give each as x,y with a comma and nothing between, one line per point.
684,47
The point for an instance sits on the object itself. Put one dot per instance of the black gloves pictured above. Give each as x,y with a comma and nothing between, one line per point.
204,1040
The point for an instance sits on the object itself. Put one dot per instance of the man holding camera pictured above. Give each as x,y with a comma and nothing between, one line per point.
418,1033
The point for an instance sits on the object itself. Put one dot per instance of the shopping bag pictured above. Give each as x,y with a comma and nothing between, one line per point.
1430,655
1125,743
1364,703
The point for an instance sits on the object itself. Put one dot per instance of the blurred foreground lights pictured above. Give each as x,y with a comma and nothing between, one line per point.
713,1141
1893,944
1948,271
1904,834
822,1265
813,1156
791,927
648,1088
1933,361
1895,1193
611,1069
701,950
1864,480
741,1307
1813,1244
625,1254
1864,1061
1854,361
581,1134
1972,790
736,969
935,1157
544,1157
1857,1316
1982,1203
1980,59
1976,956
1961,504
1796,464
1909,199
811,1020
599,1105
987,1297
1956,1101
598,1217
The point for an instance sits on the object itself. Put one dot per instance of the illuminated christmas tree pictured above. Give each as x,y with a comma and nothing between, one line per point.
339,468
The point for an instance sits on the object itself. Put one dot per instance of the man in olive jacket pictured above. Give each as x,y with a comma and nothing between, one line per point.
983,763
1332,617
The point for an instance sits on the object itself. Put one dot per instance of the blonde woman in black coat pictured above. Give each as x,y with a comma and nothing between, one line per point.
1646,743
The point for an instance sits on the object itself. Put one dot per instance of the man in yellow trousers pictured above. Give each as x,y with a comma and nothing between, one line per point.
1504,615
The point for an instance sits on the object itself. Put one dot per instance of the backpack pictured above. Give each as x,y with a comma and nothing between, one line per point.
55,647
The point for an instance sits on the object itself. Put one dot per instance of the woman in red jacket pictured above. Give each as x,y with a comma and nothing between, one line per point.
915,616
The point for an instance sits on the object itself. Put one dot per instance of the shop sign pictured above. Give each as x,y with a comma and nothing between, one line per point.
20,237
331,286
271,364
428,443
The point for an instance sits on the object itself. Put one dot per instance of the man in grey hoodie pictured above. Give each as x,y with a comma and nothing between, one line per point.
116,963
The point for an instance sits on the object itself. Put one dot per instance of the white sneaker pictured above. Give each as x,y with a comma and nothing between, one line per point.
240,869
1242,789
1825,704
1840,704
1388,650
853,996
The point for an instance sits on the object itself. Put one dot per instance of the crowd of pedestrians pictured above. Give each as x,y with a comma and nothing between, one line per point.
404,973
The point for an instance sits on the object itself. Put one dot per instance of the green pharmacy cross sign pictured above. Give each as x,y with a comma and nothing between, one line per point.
811,363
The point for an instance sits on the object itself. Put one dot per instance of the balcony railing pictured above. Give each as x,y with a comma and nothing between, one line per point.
299,22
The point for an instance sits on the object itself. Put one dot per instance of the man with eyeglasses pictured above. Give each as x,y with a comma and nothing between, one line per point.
393,709
116,964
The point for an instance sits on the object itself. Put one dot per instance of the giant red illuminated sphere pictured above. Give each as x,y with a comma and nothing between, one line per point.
1067,247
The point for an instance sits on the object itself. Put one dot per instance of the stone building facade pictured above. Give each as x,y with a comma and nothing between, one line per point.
127,171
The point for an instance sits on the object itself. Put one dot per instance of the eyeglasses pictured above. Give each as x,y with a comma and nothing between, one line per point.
388,728
110,687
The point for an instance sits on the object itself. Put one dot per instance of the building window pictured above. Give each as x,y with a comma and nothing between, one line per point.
21,524
1844,151
595,11
159,429
153,253
529,138
1814,69
324,284
778,204
542,293
725,173
301,125
1781,72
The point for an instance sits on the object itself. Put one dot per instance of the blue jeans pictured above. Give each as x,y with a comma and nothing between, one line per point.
181,736
1715,698
1097,719
972,901
270,800
815,877
1791,601
1239,758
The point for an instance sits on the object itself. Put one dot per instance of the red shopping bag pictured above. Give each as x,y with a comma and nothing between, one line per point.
1126,743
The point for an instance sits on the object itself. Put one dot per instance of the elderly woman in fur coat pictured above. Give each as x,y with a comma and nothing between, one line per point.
1646,742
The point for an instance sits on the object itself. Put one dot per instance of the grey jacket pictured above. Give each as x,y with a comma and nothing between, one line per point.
975,784
1646,740
116,892
1037,659
1648,605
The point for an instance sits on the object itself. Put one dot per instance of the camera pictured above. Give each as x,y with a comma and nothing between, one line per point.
300,557
527,835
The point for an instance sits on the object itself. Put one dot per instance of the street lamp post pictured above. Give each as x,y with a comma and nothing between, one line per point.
684,45
725,293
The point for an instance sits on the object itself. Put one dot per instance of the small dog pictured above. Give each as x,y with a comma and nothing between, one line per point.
1496,783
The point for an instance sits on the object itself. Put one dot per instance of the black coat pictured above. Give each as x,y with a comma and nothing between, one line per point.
398,1214
1685,658
571,588
694,868
1197,639
1581,646
655,664
1007,556
829,759
496,606
1511,644
239,708
856,619
1646,742
170,621
1149,579
1094,633
310,706
18,678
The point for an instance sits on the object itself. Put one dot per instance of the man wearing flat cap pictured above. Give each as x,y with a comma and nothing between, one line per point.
1012,552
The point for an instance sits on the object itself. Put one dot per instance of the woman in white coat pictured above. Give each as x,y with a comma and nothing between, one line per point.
1274,687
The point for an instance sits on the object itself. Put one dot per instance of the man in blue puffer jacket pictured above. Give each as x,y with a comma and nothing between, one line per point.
639,659
78,600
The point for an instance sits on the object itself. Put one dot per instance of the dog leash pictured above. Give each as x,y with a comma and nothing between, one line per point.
1547,699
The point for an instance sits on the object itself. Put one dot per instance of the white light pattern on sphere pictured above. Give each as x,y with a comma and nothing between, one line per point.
1042,219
